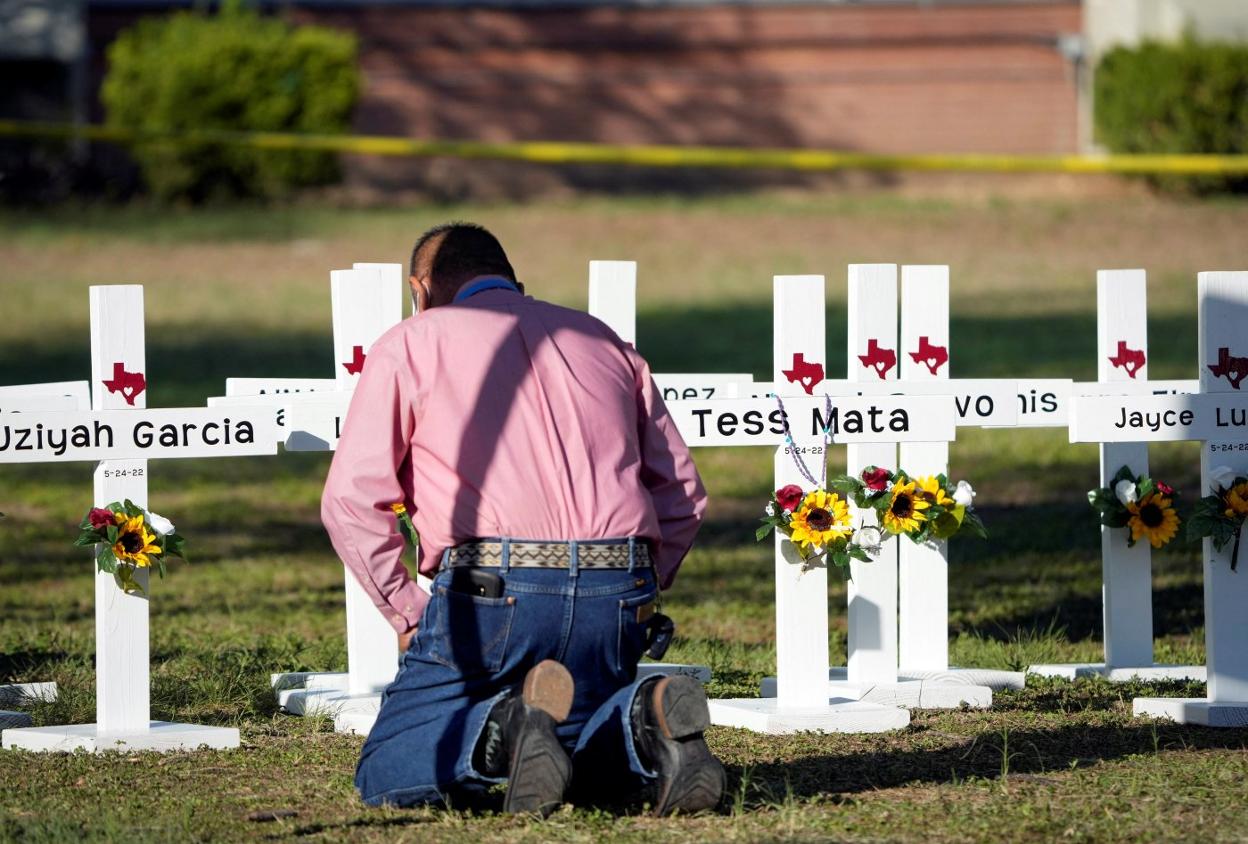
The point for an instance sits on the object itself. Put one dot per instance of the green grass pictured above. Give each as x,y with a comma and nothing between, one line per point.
244,292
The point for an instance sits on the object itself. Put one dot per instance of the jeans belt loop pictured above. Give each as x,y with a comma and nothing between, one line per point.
632,554
506,566
574,562
446,560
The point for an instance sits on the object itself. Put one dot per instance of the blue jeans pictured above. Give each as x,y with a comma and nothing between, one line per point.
469,651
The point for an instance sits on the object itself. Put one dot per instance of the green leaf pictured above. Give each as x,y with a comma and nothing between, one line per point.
106,561
1123,474
763,532
1116,519
973,525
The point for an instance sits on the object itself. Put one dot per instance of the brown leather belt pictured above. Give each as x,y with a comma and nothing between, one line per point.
589,554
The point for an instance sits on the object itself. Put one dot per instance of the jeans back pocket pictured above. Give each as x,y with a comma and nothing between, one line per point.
634,628
471,632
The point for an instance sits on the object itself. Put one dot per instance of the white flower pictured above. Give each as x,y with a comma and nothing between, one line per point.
788,512
159,523
964,494
771,509
1125,492
869,538
1221,477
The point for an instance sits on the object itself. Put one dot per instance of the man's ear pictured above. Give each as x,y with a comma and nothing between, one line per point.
420,293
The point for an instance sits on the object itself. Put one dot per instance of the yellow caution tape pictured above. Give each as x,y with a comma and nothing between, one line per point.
551,152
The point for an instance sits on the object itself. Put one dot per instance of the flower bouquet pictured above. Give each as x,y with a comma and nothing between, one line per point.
133,539
924,509
406,528
819,525
1220,516
1141,505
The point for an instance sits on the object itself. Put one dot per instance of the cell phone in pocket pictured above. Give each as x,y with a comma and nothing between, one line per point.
470,581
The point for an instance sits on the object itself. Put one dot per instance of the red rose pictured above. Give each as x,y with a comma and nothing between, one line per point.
790,497
1164,488
100,518
876,478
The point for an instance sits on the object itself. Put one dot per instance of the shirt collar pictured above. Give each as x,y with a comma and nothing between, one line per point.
482,284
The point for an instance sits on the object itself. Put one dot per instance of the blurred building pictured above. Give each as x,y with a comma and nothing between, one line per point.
959,76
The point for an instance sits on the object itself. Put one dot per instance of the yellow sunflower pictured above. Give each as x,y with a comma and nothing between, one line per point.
822,519
134,543
905,511
1237,499
934,491
1153,518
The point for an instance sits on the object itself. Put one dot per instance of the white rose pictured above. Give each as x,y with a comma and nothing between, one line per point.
159,523
1125,492
964,494
1221,477
869,539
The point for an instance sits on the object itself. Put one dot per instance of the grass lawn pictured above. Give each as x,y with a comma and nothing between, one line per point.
245,293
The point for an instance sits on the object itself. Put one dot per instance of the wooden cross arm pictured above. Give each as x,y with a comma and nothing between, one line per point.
1203,416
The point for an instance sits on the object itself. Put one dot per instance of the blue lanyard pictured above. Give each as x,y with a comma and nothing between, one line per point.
483,285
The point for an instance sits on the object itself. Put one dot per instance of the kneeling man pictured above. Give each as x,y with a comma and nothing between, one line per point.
554,498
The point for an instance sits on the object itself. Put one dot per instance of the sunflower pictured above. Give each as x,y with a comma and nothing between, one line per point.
1237,500
134,542
1153,518
823,518
905,511
934,491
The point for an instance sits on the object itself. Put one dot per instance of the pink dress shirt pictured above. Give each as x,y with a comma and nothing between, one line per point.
502,415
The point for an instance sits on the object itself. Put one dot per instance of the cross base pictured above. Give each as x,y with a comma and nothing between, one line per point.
325,694
916,694
995,679
160,736
1199,711
1120,674
18,694
9,720
766,715
355,723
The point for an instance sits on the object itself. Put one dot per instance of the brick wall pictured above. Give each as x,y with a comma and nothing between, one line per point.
969,77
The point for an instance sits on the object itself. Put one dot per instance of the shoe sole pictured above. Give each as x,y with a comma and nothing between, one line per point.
548,686
540,768
695,780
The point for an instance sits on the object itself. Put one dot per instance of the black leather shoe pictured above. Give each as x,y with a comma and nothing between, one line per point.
668,726
538,769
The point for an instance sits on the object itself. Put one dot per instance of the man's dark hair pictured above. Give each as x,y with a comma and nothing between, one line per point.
453,253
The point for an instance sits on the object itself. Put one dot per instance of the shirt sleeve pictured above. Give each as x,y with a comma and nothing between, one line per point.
668,474
364,481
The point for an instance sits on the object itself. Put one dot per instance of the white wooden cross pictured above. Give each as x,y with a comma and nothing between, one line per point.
1217,416
366,301
1122,367
63,395
121,434
923,581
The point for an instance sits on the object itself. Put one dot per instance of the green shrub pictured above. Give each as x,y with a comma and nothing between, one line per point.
232,71
1188,97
